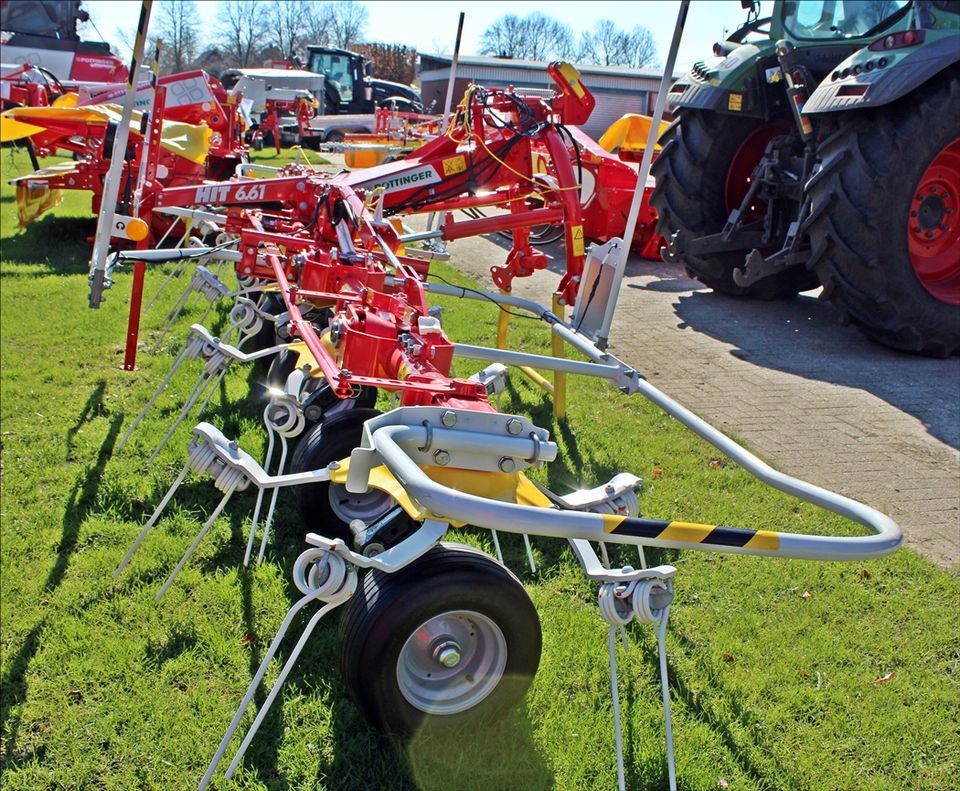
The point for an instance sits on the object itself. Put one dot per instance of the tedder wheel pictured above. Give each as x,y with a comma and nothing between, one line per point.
328,508
453,637
885,219
702,174
319,401
267,335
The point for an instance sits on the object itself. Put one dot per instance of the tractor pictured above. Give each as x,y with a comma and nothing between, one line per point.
821,145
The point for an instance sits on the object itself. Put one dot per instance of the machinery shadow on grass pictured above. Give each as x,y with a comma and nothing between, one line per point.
57,243
803,337
80,501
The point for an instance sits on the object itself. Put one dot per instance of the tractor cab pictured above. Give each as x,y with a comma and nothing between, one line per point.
347,90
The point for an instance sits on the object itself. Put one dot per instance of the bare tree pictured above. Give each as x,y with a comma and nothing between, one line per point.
241,31
534,37
287,27
608,45
318,23
395,62
179,28
348,22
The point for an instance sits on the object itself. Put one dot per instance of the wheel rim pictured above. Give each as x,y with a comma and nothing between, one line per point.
368,505
451,662
740,172
933,228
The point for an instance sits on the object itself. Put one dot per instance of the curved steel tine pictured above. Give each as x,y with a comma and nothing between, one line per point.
288,666
273,500
196,542
156,395
526,543
188,405
252,688
496,546
256,508
150,523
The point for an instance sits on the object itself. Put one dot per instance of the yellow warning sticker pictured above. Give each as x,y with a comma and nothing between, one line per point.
735,102
576,234
454,165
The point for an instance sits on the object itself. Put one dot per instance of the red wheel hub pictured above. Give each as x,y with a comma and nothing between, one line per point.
740,172
933,227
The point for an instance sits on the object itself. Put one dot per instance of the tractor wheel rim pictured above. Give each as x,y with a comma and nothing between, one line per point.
933,227
368,506
451,662
740,170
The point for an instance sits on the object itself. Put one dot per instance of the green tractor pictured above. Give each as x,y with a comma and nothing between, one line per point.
821,145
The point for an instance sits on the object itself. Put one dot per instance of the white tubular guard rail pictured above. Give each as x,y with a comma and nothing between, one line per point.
393,443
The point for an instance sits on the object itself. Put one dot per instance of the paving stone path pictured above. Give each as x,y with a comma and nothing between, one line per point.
815,399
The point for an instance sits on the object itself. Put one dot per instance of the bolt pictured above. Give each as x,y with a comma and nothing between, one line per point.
913,214
345,373
917,229
447,654
514,426
449,418
333,466
233,446
929,234
374,549
919,196
441,457
609,488
507,464
933,190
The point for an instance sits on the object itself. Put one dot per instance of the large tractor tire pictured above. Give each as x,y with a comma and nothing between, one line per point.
885,220
702,175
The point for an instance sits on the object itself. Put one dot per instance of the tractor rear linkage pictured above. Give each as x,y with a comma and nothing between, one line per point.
446,456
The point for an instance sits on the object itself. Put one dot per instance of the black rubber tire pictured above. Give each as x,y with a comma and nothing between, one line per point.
281,366
333,137
267,334
860,204
388,608
691,174
333,439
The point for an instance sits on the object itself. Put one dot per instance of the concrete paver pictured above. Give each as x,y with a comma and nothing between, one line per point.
815,399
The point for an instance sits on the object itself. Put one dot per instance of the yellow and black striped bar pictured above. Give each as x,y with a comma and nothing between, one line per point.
139,44
691,532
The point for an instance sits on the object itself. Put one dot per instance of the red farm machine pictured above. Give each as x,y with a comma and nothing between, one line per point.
431,630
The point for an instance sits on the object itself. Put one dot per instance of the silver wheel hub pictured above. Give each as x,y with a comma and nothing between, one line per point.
367,506
451,662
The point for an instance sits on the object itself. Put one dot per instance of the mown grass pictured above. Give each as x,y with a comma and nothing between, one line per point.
774,665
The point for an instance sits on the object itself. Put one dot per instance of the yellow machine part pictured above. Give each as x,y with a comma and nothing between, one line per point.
508,487
629,134
185,140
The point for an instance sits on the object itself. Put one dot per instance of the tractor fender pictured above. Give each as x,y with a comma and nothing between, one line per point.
723,85
880,86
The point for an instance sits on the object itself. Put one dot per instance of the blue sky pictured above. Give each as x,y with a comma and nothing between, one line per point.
432,25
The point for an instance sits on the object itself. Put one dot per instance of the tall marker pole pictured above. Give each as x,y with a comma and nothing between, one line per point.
658,108
445,120
453,77
111,187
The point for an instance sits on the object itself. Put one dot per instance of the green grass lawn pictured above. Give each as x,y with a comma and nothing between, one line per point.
774,664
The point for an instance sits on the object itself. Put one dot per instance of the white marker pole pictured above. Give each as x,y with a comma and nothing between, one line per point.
604,331
111,186
453,77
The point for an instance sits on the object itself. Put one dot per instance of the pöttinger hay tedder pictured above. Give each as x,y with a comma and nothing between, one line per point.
433,630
